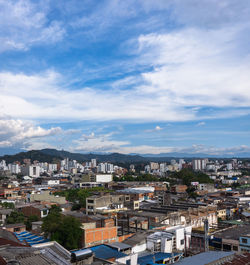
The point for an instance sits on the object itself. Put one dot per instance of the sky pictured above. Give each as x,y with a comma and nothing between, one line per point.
134,76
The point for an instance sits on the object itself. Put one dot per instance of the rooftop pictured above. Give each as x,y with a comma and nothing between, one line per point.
106,252
234,232
155,258
204,258
137,238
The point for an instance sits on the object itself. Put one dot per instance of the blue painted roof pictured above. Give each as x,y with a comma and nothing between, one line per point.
30,238
158,256
106,252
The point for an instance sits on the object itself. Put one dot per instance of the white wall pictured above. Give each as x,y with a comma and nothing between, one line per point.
139,248
104,178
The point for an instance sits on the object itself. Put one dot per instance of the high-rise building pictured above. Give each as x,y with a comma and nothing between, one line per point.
31,171
93,162
199,164
154,166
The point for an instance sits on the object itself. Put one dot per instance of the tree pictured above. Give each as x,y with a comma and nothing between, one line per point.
78,196
8,205
55,208
15,217
71,233
66,230
29,220
76,207
51,224
187,176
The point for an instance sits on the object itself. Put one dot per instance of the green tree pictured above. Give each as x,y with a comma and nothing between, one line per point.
66,230
187,176
15,217
29,220
78,196
76,207
55,208
71,232
8,205
51,224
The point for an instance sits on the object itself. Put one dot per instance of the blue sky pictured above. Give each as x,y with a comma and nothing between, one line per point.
125,76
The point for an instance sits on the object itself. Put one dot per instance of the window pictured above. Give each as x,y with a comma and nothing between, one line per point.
244,240
16,229
90,201
45,212
235,248
90,207
182,242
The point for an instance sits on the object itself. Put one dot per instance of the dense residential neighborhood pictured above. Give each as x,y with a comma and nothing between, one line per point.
94,212
124,132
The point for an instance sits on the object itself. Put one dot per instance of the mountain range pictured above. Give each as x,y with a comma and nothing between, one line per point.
52,155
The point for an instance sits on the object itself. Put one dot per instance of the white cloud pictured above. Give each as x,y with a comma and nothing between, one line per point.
43,96
156,129
192,71
20,133
105,143
189,72
24,23
99,143
202,123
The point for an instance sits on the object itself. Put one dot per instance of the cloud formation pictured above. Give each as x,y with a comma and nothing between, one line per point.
25,23
128,62
18,133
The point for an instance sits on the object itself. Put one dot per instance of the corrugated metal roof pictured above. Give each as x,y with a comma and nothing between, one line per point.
30,238
204,258
120,246
106,252
153,258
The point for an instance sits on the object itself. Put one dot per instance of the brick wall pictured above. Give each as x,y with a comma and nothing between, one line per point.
29,210
122,238
95,236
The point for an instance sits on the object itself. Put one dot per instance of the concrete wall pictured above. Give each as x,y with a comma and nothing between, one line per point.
47,197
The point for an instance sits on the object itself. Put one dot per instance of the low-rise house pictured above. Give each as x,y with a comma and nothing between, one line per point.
171,240
231,238
39,210
4,213
15,227
245,243
222,213
104,203
179,188
45,196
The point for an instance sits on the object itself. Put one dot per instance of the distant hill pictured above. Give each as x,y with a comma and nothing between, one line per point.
113,158
53,155
50,155
32,155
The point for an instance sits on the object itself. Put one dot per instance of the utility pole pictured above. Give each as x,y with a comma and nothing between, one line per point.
206,228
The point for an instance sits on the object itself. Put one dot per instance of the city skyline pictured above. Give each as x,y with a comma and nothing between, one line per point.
144,77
